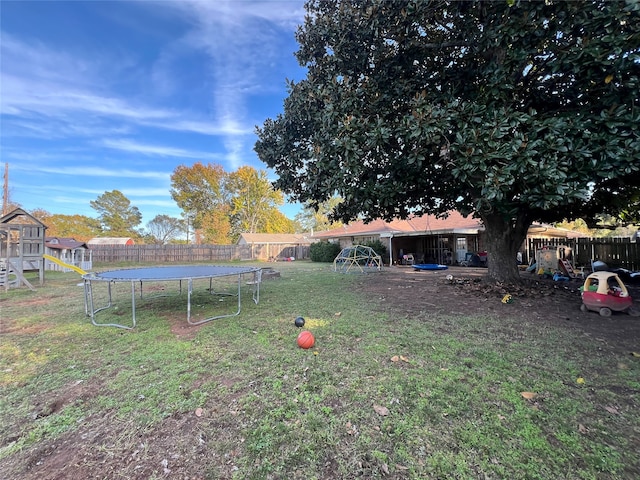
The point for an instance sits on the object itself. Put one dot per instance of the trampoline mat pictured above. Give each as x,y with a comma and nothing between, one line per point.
178,272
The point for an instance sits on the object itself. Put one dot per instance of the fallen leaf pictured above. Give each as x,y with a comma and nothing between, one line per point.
582,428
529,395
580,380
635,354
608,79
613,410
385,468
380,410
395,358
404,359
401,467
198,412
337,314
351,430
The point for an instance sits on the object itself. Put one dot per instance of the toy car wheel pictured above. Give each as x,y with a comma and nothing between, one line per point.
634,311
605,312
584,308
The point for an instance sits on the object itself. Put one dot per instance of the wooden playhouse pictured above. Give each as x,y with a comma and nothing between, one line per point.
22,244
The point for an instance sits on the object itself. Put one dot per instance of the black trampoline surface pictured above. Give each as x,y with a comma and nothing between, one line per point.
178,272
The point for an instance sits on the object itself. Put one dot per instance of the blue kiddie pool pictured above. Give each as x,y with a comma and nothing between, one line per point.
429,266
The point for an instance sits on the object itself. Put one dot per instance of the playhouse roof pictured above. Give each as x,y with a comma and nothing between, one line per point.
20,217
63,243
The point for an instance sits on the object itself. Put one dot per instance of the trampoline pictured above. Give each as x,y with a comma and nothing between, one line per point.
182,273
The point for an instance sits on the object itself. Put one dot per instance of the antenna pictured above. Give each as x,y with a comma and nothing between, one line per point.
5,190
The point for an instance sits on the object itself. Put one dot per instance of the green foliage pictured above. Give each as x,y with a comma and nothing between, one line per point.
516,111
254,203
223,205
316,218
379,247
79,227
116,214
324,251
163,229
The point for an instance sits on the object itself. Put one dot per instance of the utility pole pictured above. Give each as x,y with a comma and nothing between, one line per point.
5,190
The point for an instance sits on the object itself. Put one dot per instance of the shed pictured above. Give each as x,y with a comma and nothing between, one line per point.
110,241
276,246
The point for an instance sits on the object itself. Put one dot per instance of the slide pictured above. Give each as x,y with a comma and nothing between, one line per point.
65,265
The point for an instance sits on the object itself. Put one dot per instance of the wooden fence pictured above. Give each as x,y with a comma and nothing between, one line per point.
615,252
196,253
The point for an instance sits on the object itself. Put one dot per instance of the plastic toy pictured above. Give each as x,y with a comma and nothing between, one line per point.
604,292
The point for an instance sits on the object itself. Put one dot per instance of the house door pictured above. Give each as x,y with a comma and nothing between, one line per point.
461,249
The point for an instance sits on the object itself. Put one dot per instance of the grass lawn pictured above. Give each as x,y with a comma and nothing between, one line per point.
424,396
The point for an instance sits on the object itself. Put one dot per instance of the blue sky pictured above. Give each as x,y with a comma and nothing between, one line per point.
98,96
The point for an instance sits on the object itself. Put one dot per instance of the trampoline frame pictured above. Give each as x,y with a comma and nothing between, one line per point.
178,273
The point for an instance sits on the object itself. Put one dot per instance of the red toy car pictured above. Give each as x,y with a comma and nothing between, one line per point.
605,293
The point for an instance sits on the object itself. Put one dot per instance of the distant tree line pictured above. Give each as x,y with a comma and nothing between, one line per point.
217,207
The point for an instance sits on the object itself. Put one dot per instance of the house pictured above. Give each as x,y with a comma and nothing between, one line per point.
427,238
67,250
276,246
110,241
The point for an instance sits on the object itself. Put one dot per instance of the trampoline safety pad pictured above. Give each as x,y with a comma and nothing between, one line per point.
178,273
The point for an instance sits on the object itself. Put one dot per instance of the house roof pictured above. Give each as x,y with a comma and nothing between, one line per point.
63,243
416,225
110,241
273,238
431,225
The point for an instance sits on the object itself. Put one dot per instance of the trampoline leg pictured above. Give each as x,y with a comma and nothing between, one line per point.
92,310
216,316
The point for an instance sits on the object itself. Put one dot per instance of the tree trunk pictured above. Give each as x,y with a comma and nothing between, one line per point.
504,239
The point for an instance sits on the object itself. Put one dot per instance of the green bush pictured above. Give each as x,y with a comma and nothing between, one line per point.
324,251
378,247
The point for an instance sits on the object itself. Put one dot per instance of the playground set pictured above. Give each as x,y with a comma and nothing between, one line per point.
22,238
357,259
22,249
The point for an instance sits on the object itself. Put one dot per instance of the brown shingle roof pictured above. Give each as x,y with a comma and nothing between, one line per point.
427,224
63,243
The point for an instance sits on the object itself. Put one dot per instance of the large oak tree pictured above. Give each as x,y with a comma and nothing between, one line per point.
223,205
514,111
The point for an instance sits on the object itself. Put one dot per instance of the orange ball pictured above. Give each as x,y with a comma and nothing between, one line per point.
306,339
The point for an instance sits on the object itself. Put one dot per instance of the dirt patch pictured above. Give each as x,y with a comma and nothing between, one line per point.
181,328
463,291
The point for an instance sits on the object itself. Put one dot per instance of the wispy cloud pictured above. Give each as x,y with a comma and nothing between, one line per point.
164,151
53,100
240,41
90,171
